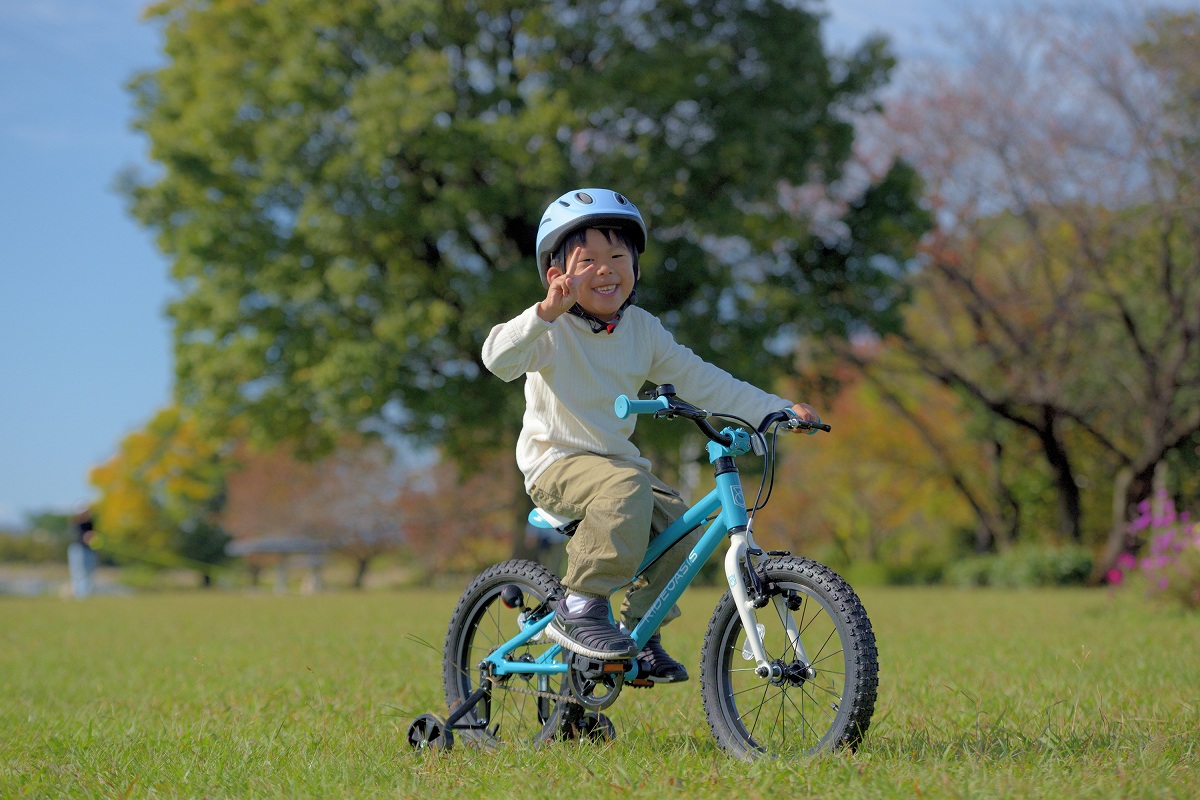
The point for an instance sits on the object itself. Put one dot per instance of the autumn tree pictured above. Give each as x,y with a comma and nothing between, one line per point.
161,492
349,192
894,485
1062,284
347,500
461,522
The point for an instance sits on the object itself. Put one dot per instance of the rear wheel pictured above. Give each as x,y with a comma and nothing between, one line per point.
488,614
824,666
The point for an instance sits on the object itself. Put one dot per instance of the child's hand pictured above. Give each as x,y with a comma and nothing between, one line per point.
564,290
807,413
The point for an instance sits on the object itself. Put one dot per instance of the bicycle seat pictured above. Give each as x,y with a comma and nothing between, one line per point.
541,518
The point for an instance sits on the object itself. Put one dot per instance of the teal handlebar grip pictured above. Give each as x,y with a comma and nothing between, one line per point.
623,406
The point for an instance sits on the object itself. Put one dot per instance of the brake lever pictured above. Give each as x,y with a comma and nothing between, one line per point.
805,425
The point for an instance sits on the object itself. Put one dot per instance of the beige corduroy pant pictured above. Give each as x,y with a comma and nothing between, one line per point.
621,507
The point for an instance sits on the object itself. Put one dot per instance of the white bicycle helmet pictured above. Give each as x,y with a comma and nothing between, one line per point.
586,208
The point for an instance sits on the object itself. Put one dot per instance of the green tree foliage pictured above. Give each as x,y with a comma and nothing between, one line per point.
160,493
349,192
51,524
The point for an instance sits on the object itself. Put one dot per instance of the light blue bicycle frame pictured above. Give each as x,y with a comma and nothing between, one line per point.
732,520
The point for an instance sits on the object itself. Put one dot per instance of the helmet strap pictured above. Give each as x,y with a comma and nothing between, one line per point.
601,326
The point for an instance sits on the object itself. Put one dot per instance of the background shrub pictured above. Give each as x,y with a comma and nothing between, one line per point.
1023,567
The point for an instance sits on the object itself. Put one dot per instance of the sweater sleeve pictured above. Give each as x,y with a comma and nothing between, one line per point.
705,385
518,346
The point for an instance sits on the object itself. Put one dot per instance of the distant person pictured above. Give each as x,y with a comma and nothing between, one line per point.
81,558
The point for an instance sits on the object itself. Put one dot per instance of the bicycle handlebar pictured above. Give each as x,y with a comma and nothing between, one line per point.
623,406
668,405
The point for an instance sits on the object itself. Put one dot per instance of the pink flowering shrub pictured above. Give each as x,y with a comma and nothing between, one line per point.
1170,560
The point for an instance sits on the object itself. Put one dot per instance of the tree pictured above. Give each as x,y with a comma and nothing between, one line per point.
347,500
893,485
1063,280
161,491
461,522
52,525
349,193
355,504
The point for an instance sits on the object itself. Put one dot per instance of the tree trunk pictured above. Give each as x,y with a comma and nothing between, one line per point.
360,575
1129,489
994,529
997,531
1070,508
1117,533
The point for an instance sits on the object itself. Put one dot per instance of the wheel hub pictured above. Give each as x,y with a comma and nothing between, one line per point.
794,674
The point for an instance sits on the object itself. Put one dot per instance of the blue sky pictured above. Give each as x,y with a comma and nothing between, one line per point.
85,352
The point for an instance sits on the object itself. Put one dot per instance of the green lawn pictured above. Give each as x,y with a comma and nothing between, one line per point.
982,694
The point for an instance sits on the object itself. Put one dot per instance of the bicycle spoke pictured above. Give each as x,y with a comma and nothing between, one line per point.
766,688
803,716
821,649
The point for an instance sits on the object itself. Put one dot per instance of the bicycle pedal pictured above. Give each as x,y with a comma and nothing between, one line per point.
592,666
640,683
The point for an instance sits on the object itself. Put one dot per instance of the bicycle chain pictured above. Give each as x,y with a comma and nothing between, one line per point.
505,685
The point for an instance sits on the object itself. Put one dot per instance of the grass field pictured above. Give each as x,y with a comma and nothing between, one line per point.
982,694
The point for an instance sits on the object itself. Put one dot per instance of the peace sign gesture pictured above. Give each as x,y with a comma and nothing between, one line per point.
564,288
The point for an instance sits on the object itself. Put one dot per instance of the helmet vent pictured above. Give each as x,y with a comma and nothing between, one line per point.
564,204
621,199
584,198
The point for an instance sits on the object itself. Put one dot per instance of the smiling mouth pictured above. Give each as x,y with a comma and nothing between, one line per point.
607,291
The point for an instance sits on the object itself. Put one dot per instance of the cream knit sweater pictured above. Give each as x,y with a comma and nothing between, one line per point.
573,376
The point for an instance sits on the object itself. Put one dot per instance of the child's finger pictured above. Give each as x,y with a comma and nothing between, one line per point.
564,288
573,259
582,274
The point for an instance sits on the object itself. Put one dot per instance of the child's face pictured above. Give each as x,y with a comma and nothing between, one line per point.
611,282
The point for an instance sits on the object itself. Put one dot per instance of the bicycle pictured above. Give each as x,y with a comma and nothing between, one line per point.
806,685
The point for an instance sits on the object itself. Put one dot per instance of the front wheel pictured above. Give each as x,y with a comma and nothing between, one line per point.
824,666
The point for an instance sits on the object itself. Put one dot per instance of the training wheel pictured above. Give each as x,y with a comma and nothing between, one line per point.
594,727
429,732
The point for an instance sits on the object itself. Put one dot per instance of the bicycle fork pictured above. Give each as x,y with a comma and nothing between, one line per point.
742,553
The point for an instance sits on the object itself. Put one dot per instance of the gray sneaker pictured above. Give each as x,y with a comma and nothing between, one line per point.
590,632
654,664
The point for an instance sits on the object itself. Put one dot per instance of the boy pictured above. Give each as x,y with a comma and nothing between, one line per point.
579,348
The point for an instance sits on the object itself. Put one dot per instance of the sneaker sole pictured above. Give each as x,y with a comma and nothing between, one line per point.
603,655
653,679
